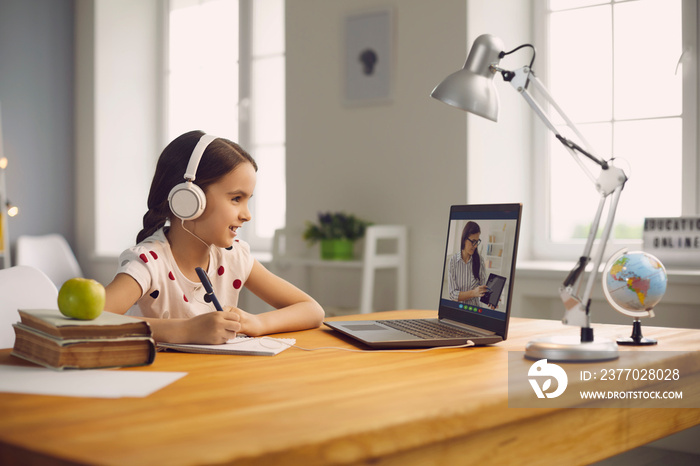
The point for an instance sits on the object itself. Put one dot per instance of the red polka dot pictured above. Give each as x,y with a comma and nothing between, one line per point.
221,270
171,276
237,283
144,258
153,254
185,298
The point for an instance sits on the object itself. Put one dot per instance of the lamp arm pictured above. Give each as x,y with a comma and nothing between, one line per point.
520,79
577,310
610,181
585,258
548,97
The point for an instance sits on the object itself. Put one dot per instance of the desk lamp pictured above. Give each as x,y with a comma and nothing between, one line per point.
472,89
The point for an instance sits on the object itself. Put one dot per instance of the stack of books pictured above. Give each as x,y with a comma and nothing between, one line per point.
48,338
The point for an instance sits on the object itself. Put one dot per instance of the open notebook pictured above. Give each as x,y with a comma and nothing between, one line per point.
243,345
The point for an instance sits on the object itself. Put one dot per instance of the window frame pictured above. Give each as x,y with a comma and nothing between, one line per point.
543,248
245,102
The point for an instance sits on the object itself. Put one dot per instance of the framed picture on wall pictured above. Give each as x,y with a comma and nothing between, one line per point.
368,57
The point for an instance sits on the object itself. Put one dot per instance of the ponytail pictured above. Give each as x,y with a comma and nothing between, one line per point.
476,265
153,220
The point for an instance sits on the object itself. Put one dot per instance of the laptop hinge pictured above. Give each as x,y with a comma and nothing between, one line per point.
471,328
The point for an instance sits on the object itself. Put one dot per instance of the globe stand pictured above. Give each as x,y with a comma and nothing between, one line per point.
636,339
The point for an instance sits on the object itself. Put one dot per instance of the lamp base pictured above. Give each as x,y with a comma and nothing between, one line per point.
571,349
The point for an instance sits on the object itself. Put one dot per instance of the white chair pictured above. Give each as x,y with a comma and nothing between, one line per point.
22,287
284,255
51,254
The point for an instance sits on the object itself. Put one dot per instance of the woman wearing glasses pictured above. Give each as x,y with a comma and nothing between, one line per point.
467,272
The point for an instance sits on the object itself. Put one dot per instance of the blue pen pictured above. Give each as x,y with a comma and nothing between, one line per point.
209,296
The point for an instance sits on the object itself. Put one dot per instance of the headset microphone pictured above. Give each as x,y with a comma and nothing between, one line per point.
187,200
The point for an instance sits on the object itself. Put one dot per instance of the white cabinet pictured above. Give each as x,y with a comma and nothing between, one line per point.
493,252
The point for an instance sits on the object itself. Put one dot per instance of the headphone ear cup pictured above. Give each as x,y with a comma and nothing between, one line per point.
187,201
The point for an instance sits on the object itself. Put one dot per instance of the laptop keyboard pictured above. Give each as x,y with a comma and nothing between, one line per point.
428,329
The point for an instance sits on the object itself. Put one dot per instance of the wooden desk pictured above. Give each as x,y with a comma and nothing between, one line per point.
335,407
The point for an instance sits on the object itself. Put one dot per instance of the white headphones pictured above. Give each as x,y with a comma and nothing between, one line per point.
187,200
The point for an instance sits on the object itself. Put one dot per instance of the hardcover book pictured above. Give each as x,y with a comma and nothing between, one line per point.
107,325
46,337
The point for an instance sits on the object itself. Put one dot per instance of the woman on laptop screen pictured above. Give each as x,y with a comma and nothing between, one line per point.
467,272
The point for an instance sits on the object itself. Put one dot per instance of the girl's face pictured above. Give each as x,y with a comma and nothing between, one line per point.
227,206
471,243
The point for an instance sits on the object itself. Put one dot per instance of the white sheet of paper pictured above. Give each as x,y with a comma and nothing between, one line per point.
103,383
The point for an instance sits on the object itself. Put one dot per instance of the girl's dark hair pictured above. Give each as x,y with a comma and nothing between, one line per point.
469,229
220,157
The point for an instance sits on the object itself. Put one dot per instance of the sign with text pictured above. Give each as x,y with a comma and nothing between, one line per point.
673,240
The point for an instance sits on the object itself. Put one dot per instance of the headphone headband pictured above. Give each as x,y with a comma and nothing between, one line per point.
196,156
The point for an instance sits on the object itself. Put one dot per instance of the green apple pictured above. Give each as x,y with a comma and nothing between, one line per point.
81,298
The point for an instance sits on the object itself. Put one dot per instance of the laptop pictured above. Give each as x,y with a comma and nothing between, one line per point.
459,322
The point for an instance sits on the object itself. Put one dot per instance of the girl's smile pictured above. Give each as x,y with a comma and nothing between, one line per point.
227,206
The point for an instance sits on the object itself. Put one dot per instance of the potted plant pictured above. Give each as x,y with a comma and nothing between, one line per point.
337,232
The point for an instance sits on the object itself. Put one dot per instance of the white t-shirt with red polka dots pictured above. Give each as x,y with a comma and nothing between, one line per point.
167,293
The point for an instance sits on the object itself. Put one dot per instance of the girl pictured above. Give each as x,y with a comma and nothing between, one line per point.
159,272
466,268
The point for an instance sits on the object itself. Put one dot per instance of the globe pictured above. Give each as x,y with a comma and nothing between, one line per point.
634,282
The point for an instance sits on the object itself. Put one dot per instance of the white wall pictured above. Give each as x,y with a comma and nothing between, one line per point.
500,153
36,95
118,124
401,162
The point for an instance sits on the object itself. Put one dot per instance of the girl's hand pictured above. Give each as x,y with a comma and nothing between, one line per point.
251,324
212,328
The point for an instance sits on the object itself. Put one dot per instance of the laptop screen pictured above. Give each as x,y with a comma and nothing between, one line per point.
477,278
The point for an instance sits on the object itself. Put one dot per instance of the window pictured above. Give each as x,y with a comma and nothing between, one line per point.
617,69
226,76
